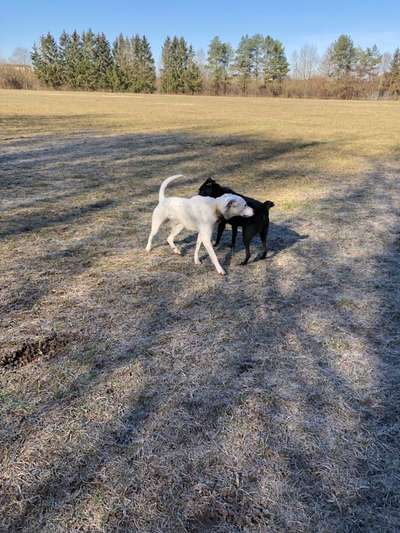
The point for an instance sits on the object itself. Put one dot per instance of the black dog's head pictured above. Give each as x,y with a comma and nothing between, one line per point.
211,188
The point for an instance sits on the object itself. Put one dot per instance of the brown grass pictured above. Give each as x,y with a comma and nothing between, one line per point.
266,401
17,77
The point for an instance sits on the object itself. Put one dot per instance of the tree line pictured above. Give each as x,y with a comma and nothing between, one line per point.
88,61
258,66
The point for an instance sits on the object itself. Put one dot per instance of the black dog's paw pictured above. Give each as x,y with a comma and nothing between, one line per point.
244,263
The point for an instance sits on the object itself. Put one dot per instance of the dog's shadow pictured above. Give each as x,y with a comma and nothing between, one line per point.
280,237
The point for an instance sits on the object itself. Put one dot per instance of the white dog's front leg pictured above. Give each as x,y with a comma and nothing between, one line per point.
156,221
206,239
196,252
148,246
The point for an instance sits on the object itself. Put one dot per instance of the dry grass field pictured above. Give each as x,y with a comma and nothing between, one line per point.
141,393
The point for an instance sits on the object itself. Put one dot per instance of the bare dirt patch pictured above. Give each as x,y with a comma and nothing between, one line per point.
33,350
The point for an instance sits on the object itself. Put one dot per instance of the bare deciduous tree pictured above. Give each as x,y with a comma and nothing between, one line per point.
201,60
326,65
305,63
20,56
385,62
294,65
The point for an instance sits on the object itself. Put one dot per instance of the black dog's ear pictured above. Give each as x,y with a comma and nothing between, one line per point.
210,180
268,204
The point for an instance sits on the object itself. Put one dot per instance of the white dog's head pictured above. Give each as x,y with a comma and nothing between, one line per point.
231,205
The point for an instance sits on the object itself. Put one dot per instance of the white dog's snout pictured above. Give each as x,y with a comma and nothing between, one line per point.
248,212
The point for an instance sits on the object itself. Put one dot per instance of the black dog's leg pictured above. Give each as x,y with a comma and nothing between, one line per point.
247,236
246,259
221,227
263,237
234,234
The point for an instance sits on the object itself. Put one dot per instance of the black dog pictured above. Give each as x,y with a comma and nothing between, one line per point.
258,223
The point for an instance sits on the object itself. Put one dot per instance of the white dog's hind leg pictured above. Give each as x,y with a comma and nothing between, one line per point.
156,221
174,232
196,252
209,247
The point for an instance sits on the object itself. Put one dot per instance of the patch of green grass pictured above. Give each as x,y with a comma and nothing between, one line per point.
346,303
11,402
337,344
291,205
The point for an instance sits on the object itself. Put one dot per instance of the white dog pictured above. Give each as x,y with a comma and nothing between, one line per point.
199,214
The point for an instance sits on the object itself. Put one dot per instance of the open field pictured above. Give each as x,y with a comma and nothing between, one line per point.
173,399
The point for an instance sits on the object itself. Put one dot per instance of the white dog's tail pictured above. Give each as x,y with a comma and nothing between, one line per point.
165,183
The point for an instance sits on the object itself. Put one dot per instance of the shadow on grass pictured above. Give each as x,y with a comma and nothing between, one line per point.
269,400
37,221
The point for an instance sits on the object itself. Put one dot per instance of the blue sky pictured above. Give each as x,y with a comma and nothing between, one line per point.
293,22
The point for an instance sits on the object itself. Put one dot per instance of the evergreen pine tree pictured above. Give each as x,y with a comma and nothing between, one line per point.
367,62
137,64
258,49
180,63
46,62
394,74
244,62
149,69
342,57
64,44
179,70
136,68
218,63
120,80
38,63
103,62
276,66
166,67
174,61
193,77
72,56
88,69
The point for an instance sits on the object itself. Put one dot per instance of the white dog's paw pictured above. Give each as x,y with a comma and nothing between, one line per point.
148,248
221,271
197,262
177,251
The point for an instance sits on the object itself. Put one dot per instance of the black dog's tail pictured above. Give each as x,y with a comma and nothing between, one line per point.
268,204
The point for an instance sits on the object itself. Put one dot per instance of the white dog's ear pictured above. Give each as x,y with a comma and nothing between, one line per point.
230,204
